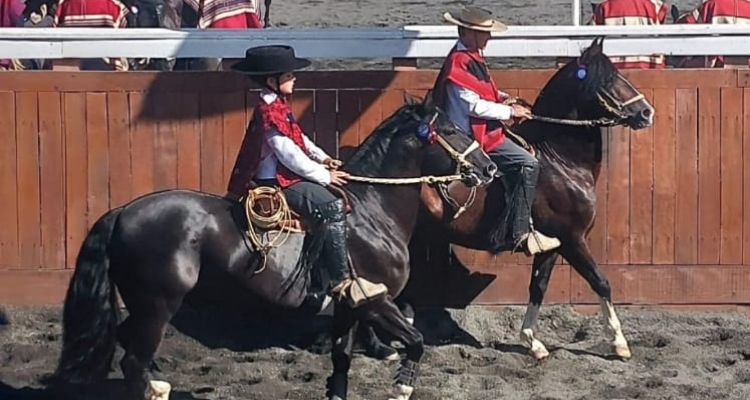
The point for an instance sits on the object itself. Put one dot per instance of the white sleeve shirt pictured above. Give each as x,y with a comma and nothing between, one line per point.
279,148
464,103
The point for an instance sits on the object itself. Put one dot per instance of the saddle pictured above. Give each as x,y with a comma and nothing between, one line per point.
266,208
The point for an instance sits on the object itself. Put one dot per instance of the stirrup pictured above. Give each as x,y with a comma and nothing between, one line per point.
358,291
537,242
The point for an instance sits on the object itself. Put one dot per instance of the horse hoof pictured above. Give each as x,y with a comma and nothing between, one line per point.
623,352
404,392
158,390
540,354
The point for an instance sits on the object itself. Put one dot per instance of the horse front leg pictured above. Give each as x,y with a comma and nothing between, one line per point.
344,326
387,315
540,276
580,259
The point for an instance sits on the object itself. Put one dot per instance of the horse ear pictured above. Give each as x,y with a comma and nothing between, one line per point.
428,100
594,49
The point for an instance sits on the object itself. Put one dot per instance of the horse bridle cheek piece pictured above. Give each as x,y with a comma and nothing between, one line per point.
614,106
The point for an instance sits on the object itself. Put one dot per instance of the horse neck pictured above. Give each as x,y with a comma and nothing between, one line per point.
577,146
394,205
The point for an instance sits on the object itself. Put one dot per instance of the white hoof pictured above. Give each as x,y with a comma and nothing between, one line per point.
403,392
158,390
623,351
540,352
393,357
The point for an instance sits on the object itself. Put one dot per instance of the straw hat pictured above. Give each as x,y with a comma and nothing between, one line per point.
475,18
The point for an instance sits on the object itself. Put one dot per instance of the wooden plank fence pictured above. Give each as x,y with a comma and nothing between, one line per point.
670,226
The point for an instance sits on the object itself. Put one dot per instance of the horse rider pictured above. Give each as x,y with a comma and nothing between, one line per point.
466,91
632,12
715,12
220,14
276,152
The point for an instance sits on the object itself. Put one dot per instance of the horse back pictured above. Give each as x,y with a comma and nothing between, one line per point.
173,239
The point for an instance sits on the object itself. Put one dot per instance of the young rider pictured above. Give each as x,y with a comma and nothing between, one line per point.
276,152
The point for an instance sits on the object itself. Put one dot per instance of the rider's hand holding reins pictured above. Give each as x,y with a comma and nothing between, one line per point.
338,177
332,163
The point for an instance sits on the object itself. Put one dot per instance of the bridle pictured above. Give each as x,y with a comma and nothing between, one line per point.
609,102
431,135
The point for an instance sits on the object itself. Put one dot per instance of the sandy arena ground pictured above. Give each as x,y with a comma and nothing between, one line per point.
473,355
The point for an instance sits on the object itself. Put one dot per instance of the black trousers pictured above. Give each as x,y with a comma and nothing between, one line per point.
510,157
519,171
304,197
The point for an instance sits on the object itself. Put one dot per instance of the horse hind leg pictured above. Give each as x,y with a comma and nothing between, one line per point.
146,326
540,275
387,315
581,260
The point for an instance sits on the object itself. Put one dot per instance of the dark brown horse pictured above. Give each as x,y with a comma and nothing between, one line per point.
155,249
581,97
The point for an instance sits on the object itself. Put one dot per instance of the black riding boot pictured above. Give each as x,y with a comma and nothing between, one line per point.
523,228
336,251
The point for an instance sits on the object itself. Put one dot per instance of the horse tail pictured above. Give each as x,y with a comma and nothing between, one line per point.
90,313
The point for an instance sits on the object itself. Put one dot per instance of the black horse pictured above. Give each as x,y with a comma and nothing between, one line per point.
584,95
154,250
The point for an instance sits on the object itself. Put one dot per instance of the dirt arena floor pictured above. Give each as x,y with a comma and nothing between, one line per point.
398,13
473,354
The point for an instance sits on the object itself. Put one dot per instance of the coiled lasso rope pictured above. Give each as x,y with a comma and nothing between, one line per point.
273,221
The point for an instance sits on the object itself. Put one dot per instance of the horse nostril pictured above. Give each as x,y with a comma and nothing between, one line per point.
646,113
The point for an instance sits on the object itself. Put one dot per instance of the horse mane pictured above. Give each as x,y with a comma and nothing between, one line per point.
370,156
600,73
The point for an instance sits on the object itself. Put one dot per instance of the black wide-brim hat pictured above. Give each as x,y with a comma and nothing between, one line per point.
270,60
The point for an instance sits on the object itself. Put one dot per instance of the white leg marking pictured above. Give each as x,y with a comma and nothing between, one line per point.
527,332
158,390
614,329
326,308
403,392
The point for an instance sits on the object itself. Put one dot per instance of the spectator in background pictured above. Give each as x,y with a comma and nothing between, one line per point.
218,14
94,14
714,12
632,12
11,16
227,14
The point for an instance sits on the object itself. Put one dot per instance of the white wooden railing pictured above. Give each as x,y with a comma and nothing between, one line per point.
406,42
